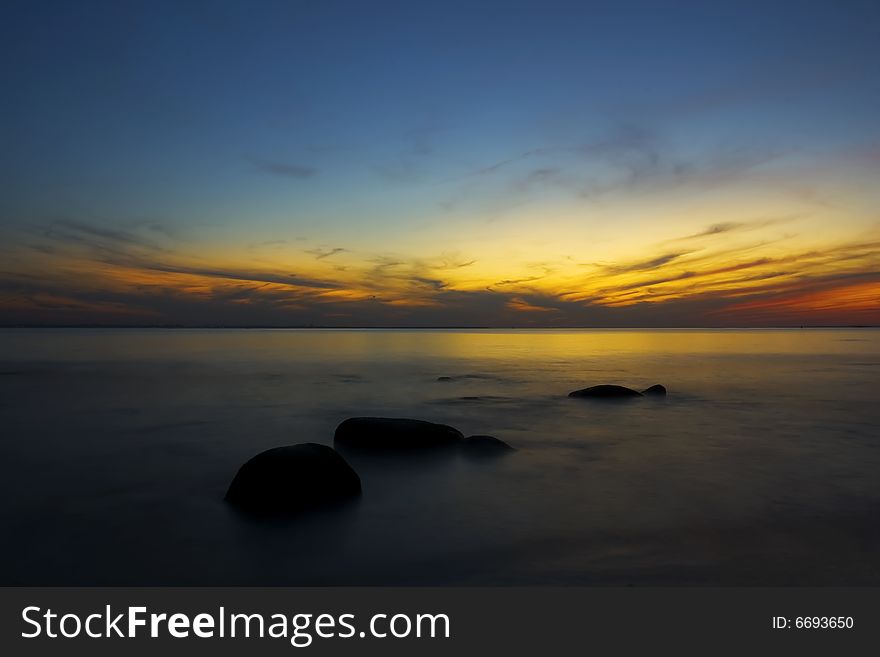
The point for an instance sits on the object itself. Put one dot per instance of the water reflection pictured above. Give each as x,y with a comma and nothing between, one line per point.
759,467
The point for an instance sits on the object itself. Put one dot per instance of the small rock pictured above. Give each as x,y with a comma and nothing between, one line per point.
655,390
605,392
394,433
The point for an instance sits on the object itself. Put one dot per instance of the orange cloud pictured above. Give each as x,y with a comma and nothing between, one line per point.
521,305
859,302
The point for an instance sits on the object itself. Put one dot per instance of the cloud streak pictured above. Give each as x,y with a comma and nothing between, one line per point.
320,254
112,275
727,227
283,169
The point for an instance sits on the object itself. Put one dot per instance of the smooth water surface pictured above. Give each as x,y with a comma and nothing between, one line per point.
760,467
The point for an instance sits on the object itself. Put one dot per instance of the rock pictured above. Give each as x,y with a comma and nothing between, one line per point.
293,478
605,392
485,446
464,377
394,433
655,390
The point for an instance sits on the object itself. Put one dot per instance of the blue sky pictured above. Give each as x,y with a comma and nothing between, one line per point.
263,135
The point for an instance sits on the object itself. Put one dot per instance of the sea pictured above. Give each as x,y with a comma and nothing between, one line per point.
760,467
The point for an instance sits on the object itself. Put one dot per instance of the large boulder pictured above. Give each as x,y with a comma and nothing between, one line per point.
394,433
605,392
485,446
293,478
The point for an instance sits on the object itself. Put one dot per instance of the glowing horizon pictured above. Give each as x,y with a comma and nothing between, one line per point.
269,178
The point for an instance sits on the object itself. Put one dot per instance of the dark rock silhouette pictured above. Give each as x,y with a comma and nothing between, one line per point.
617,392
485,446
464,377
394,433
606,392
293,478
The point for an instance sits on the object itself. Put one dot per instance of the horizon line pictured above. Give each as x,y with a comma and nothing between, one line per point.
426,328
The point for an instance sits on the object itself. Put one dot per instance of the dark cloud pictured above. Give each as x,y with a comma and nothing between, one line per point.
642,265
398,172
629,159
243,275
541,176
129,250
284,169
320,254
433,283
715,229
420,138
629,142
161,228
411,163
452,263
641,164
501,164
382,265
516,281
84,232
737,226
103,244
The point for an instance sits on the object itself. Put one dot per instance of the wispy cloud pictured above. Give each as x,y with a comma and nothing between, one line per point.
516,281
629,159
90,270
520,304
644,265
284,169
715,229
267,244
72,230
320,254
243,275
452,262
726,227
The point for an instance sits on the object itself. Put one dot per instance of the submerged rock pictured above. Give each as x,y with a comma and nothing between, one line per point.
655,390
617,392
606,392
464,377
485,446
394,433
293,478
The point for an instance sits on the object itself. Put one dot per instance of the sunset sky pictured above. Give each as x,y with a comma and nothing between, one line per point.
440,163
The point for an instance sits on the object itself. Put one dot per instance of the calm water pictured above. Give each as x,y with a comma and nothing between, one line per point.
760,467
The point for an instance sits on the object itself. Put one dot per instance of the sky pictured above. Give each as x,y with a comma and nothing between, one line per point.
537,164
